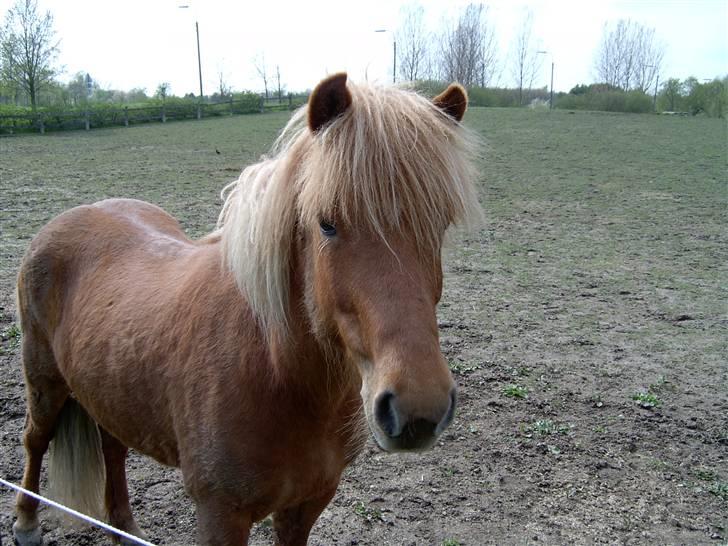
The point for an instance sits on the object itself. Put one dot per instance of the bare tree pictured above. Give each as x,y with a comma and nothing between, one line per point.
525,60
260,68
223,86
412,39
278,80
28,48
629,56
468,49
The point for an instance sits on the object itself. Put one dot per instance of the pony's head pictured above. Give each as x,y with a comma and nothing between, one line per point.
350,214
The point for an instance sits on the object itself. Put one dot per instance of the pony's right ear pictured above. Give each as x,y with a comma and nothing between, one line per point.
453,101
330,99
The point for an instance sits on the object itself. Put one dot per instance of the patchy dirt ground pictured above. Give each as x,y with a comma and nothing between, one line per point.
585,322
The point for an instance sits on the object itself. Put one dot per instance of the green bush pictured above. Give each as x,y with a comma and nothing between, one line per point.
11,124
638,102
601,97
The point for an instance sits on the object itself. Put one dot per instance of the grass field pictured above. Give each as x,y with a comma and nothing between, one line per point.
586,322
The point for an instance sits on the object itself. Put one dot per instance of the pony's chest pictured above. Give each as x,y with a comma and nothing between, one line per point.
301,470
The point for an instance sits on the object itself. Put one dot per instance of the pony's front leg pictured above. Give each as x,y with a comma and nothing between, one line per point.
293,525
219,524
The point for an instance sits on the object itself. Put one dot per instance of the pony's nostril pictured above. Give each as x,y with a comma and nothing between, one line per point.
450,414
386,414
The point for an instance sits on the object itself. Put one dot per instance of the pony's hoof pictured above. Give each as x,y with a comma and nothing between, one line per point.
134,530
123,541
27,537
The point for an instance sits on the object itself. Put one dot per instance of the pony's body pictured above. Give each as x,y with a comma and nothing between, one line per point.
255,395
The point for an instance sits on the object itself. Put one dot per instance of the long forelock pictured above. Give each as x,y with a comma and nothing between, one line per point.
392,161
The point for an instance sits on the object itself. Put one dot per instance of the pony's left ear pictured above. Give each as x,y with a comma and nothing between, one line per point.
453,101
329,100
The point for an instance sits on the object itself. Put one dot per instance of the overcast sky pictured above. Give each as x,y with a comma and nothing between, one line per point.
141,43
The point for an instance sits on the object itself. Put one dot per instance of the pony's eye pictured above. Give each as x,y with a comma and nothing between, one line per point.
327,229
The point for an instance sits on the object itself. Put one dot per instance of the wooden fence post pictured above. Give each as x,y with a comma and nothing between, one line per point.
231,104
164,115
41,123
290,101
199,111
86,120
262,104
126,116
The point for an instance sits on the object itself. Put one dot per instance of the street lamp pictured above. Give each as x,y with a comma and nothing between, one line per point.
199,61
394,55
551,95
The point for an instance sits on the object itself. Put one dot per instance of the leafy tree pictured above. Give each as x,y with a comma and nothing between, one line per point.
137,94
163,90
579,89
671,95
78,90
28,48
709,98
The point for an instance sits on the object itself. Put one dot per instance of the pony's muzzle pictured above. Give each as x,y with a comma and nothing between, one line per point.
405,432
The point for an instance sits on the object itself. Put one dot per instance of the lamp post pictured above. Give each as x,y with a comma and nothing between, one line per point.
199,61
394,55
551,94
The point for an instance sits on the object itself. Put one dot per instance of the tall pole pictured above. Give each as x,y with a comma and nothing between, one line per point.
394,61
199,61
551,99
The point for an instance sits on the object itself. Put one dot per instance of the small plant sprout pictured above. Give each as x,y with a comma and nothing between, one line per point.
719,489
705,474
451,542
515,391
646,399
10,337
463,368
546,426
367,512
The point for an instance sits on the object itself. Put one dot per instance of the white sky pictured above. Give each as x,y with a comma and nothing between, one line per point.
141,43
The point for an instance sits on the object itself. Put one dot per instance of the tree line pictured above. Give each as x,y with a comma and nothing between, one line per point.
627,66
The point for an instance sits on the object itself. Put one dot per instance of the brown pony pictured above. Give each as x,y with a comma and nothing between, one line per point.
251,357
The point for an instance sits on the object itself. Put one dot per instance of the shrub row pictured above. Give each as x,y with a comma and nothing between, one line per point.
22,119
635,102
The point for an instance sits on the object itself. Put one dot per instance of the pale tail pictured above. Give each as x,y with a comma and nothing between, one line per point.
76,471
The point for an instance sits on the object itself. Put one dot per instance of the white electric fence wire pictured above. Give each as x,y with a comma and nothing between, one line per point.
79,515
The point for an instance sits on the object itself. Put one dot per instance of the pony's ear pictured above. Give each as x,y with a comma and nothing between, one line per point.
453,101
330,99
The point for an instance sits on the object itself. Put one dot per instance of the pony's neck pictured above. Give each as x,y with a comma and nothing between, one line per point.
306,361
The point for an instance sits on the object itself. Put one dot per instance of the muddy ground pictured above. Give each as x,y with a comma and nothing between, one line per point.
584,320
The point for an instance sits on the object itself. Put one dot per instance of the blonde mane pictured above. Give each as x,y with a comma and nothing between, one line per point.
392,160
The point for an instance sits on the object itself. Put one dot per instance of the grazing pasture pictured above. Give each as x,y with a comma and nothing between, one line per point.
585,322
